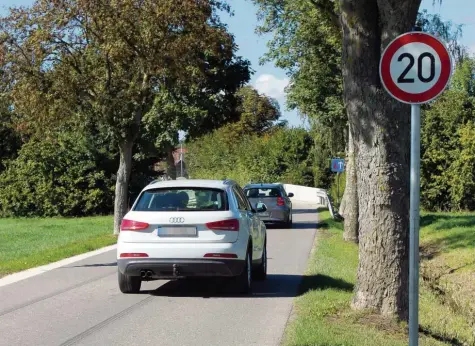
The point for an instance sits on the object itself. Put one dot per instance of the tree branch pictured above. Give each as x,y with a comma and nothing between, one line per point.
328,9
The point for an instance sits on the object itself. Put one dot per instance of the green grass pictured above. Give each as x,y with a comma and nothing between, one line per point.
27,243
323,315
448,268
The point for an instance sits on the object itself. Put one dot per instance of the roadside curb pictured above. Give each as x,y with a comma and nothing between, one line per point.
25,274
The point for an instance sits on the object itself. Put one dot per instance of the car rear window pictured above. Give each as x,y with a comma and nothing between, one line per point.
263,192
182,199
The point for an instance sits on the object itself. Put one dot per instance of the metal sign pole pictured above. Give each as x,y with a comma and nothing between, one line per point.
338,189
414,225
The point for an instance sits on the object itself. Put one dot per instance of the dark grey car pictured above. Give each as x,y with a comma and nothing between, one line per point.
276,200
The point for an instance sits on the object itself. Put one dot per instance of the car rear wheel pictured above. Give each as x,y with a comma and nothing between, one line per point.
261,271
129,284
287,223
244,280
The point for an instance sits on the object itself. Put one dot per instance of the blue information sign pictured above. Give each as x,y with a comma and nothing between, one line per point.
338,165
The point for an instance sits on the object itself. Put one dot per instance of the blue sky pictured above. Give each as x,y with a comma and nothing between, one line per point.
270,80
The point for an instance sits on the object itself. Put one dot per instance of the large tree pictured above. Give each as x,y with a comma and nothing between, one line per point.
380,128
306,42
105,62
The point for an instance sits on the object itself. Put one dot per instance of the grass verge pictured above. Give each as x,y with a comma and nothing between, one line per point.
27,243
448,267
323,315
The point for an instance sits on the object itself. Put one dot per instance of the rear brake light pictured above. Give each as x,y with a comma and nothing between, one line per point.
129,225
280,201
225,225
133,254
220,255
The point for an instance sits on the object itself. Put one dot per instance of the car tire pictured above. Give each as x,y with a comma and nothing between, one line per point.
129,284
243,282
288,223
261,271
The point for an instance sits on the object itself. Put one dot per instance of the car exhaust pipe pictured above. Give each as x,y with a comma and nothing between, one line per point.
149,274
142,274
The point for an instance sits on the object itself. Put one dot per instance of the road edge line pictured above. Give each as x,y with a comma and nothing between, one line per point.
28,273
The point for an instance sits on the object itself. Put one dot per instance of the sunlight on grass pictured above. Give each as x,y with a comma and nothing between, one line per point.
323,315
27,243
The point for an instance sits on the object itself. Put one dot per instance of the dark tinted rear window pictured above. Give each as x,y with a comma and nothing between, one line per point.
182,199
262,192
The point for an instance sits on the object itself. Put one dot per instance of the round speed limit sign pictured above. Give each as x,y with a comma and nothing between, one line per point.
415,68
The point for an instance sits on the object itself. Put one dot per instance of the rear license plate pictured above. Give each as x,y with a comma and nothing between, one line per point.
264,214
176,232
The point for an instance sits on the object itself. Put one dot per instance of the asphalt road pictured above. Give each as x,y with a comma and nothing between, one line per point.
80,304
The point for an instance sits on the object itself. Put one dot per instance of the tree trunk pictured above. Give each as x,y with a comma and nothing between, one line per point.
171,169
122,184
351,192
382,137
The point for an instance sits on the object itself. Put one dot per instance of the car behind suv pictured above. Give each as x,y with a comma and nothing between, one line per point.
276,200
191,228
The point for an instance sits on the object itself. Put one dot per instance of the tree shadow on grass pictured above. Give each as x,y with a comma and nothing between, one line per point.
447,222
276,286
462,237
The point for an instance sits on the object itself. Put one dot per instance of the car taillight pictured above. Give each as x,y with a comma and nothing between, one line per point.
280,201
225,225
130,225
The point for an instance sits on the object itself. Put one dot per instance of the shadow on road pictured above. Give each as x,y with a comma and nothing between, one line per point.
304,211
295,225
276,286
112,264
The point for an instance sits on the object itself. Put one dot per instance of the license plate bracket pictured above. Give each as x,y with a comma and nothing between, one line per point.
180,231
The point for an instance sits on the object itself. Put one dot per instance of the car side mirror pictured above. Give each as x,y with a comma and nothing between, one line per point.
290,195
261,207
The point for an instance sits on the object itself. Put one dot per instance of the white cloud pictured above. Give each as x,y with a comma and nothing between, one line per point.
272,86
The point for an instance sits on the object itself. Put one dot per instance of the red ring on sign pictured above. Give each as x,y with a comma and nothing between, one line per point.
437,88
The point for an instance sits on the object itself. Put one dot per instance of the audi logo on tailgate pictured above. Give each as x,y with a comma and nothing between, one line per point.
177,220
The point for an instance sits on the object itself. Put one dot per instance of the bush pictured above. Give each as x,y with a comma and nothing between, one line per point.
280,155
56,176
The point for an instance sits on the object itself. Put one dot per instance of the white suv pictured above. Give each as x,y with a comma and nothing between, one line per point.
191,228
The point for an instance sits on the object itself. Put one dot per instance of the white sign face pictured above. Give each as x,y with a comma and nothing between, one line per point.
415,68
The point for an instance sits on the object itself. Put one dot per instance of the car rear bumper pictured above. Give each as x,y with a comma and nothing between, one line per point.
180,268
279,215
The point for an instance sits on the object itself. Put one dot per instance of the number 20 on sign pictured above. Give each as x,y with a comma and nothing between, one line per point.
415,68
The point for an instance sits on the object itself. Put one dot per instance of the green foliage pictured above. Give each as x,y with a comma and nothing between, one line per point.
256,148
281,155
10,141
56,176
448,152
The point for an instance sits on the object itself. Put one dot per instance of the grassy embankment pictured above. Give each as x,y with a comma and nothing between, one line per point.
27,243
323,315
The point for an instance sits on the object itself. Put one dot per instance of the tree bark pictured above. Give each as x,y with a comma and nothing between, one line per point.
381,129
171,169
351,192
122,183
